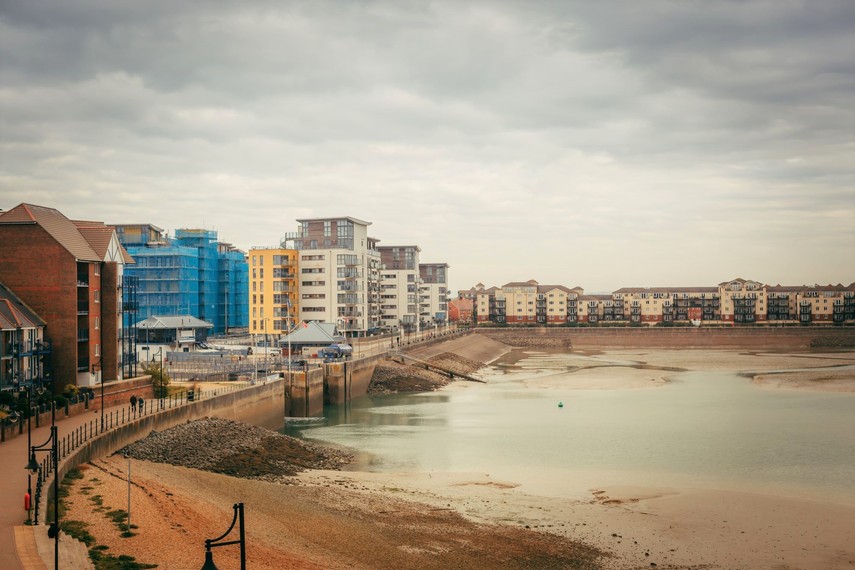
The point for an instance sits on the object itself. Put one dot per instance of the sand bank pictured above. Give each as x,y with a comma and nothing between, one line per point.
670,527
645,368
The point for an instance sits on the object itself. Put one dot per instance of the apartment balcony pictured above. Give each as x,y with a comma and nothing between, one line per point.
82,308
82,335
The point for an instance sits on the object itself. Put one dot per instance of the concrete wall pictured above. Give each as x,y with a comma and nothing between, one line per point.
752,338
259,405
304,393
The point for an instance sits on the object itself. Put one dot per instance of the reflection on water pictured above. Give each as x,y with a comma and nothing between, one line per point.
703,425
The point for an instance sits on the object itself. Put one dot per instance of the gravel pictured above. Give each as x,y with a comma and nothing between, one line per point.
235,448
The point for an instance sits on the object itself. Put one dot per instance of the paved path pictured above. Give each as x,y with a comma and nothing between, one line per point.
13,485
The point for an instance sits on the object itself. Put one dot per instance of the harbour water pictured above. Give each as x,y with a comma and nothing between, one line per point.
706,429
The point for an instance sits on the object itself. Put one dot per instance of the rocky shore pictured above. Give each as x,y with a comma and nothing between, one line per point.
392,377
234,448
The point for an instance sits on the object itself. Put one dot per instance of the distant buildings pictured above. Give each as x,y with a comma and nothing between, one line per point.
399,286
69,273
189,274
738,301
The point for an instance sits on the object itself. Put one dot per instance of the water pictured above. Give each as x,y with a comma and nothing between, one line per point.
712,429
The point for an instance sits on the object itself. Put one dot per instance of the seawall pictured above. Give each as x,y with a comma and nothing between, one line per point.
751,338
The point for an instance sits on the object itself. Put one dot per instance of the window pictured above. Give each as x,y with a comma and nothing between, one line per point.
97,349
261,273
97,269
97,322
253,263
97,296
327,229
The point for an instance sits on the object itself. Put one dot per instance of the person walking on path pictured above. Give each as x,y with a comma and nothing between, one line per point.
134,403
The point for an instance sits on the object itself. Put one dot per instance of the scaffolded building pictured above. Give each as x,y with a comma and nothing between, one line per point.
190,274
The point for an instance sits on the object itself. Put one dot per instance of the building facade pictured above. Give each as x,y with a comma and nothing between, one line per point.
24,349
399,286
338,272
735,302
274,296
190,274
433,294
70,274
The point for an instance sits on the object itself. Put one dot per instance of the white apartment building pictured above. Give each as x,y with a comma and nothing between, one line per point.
338,272
399,286
433,293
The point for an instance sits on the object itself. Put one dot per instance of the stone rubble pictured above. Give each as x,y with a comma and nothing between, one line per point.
234,448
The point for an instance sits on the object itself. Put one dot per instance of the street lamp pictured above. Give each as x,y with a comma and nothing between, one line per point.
101,381
33,468
213,542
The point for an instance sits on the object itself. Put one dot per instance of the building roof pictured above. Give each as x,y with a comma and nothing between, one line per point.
174,322
313,332
786,288
60,228
462,304
14,313
529,283
100,237
354,220
547,288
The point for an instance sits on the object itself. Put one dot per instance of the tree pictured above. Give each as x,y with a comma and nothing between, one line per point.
159,379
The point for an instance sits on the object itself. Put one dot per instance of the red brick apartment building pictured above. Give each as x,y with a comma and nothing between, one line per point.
69,273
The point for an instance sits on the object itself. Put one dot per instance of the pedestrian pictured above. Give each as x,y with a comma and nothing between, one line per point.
140,403
134,403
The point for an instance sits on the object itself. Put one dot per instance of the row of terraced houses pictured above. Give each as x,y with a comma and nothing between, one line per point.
738,301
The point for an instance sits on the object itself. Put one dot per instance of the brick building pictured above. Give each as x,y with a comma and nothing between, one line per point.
69,273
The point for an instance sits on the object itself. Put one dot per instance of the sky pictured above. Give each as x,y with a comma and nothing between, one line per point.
593,144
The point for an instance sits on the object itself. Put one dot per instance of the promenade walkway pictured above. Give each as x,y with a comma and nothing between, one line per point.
19,543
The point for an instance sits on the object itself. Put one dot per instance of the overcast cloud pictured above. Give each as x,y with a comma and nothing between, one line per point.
599,144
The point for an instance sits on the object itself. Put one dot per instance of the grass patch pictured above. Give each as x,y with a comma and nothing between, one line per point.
78,530
104,561
120,518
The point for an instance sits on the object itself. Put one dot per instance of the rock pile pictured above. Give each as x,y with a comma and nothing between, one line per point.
392,377
234,448
456,363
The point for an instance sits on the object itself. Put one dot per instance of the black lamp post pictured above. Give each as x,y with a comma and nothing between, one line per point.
33,468
212,542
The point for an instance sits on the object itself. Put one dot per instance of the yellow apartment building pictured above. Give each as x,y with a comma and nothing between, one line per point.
273,290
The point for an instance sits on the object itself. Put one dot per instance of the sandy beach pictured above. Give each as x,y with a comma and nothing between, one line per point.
338,519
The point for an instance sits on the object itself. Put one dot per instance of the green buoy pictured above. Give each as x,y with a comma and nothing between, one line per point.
560,404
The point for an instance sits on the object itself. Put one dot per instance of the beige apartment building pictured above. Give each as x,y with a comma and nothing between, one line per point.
526,302
433,294
274,302
738,301
339,273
